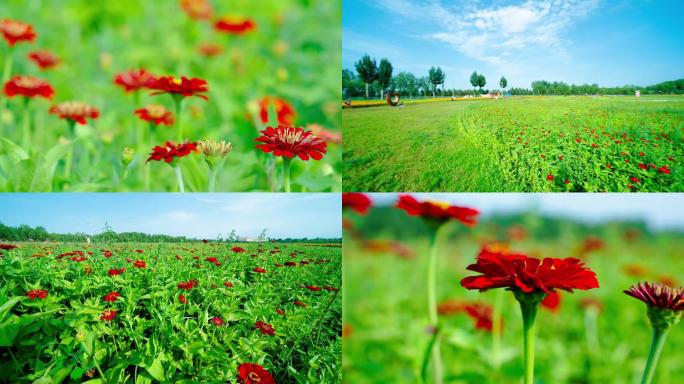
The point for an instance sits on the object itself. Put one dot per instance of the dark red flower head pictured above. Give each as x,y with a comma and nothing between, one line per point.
238,249
658,295
8,247
108,315
156,114
259,270
290,141
265,328
75,111
112,296
249,373
134,80
185,87
171,151
44,59
28,86
36,293
235,25
140,264
217,321
482,314
15,31
552,302
182,299
437,211
197,9
358,202
115,272
285,113
187,285
527,274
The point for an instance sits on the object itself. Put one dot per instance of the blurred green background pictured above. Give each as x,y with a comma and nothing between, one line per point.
294,54
385,307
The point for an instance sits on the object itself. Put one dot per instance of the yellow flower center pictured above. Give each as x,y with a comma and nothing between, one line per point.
254,377
176,81
440,204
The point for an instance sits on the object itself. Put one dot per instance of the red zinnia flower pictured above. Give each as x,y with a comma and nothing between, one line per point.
235,26
549,177
482,314
79,259
75,111
249,373
635,180
314,288
44,59
327,135
552,302
36,293
217,321
259,270
197,9
185,87
264,328
28,86
182,299
134,80
280,312
284,111
108,315
359,202
440,212
210,50
187,285
156,114
643,166
664,169
330,289
238,249
112,296
300,304
15,31
527,274
290,141
114,272
171,151
290,264
8,247
658,295
139,264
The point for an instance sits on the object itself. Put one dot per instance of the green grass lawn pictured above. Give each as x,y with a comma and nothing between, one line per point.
519,144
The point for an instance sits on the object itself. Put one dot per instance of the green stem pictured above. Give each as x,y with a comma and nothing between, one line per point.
178,101
432,305
496,329
6,73
212,178
179,178
529,303
657,343
26,124
286,173
70,154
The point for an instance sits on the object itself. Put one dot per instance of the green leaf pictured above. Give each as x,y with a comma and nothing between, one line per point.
9,304
156,370
15,152
45,169
8,332
43,380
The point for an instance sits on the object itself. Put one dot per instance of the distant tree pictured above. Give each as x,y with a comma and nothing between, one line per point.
503,83
481,81
367,69
474,81
232,237
384,76
405,83
263,235
425,85
436,76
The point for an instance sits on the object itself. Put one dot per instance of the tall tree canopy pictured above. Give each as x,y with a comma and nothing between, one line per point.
367,69
474,80
384,75
436,76
503,82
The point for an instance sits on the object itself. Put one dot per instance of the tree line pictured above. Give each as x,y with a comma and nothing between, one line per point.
26,233
373,79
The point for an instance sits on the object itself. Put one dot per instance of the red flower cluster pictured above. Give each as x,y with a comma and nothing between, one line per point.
300,304
265,328
139,264
28,86
527,274
171,151
134,80
285,113
314,288
182,299
213,260
108,315
217,321
14,31
289,141
235,26
112,296
249,373
185,87
187,285
75,111
440,212
228,284
259,270
44,59
8,247
358,202
238,249
658,295
115,272
156,114
36,293
479,312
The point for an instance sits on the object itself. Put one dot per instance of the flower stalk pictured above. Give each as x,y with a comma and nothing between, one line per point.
286,173
26,123
529,304
179,178
657,343
432,304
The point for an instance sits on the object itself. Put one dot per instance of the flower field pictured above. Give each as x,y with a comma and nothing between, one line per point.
213,96
539,144
184,313
484,272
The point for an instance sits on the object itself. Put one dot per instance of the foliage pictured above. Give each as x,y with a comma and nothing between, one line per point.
154,337
528,144
384,74
288,56
367,69
437,77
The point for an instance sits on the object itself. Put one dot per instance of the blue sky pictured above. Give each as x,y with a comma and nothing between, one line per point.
196,215
609,42
658,210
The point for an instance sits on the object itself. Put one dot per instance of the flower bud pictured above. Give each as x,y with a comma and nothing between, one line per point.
127,156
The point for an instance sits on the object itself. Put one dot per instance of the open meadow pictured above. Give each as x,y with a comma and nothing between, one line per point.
160,312
525,144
